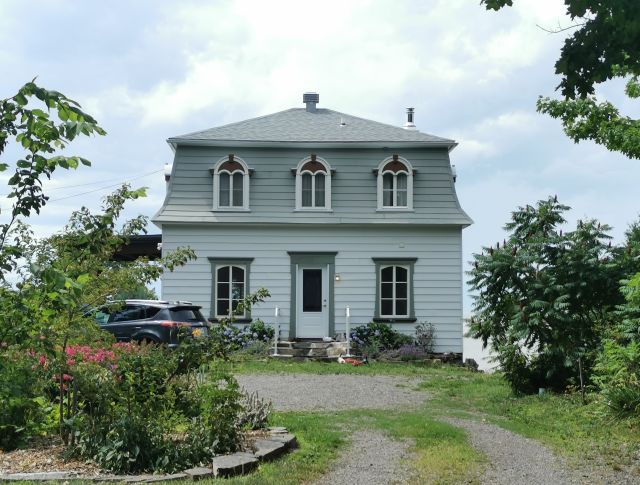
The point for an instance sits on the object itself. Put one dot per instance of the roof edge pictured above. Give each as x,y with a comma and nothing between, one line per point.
175,142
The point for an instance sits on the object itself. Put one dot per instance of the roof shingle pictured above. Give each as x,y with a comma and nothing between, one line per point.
297,125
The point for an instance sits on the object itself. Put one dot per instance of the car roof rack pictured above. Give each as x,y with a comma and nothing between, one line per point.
156,302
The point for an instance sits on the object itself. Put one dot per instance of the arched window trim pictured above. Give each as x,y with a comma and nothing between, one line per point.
408,172
327,184
245,171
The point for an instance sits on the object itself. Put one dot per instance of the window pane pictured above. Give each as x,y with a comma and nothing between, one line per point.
401,290
386,290
387,181
320,190
387,190
129,313
235,305
401,307
401,181
401,274
386,307
237,291
237,274
402,198
223,290
151,312
387,198
222,308
306,190
223,200
311,290
401,185
187,315
237,189
387,274
223,273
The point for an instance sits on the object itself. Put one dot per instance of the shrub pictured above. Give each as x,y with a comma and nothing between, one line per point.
254,350
24,411
255,411
141,408
412,352
373,338
618,376
424,336
234,338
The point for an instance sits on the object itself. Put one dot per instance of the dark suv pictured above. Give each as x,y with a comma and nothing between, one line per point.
153,321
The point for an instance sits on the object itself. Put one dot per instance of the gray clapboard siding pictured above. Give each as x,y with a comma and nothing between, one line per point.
437,276
272,187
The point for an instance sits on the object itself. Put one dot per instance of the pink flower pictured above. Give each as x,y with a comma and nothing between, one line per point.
66,377
71,362
42,360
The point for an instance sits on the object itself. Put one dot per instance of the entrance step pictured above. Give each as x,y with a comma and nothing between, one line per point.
312,349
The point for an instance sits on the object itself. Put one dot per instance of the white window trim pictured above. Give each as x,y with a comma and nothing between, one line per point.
243,267
245,186
408,173
327,186
393,295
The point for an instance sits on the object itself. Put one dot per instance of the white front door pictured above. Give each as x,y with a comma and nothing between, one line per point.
312,301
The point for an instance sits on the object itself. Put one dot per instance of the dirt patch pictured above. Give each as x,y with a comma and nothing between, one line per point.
45,456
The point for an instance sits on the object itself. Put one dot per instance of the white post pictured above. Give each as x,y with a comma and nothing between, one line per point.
276,332
348,331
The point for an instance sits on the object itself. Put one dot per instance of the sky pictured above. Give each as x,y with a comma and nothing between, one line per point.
150,69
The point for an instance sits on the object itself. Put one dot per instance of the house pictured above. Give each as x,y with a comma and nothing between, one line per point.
325,210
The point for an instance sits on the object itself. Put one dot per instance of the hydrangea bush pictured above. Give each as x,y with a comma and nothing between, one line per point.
235,338
373,338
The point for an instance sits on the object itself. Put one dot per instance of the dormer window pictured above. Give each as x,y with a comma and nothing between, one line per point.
231,184
395,184
313,184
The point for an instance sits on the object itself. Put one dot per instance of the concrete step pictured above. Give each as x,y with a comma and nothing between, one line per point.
309,349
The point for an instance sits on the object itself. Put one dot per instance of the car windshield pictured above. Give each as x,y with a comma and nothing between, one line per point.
187,315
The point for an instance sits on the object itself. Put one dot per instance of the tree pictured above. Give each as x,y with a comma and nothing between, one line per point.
544,294
604,45
42,139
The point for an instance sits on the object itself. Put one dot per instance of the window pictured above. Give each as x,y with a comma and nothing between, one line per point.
313,184
395,184
229,286
394,290
231,184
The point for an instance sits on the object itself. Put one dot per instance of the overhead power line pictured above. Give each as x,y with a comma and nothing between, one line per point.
94,183
104,187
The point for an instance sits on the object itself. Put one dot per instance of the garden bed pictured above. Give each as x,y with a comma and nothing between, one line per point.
48,462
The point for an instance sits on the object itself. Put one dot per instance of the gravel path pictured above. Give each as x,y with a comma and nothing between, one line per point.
308,392
372,458
514,459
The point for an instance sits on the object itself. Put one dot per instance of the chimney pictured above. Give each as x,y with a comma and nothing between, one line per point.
311,99
410,125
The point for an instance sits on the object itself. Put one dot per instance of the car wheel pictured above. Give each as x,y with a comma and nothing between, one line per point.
148,341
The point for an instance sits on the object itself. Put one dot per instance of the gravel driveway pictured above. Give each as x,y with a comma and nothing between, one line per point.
308,392
375,458
513,458
372,458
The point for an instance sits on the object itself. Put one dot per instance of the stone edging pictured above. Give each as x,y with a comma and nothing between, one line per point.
276,444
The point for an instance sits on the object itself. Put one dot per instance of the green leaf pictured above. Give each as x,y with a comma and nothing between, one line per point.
20,99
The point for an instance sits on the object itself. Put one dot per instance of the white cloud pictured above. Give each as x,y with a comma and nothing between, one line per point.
263,55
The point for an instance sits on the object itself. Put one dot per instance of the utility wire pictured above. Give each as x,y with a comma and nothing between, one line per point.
103,188
95,183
